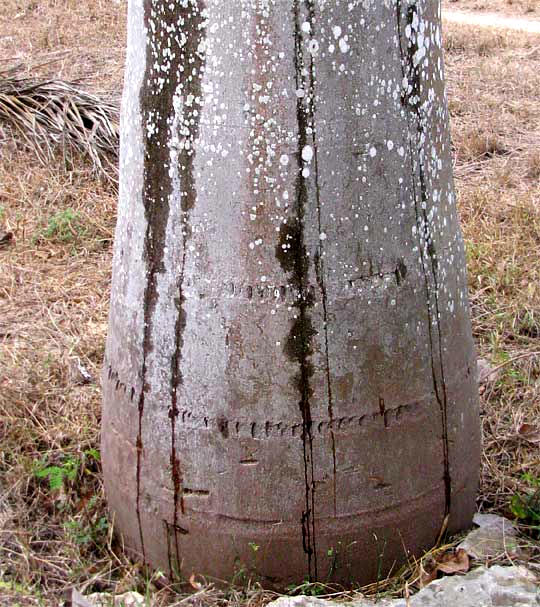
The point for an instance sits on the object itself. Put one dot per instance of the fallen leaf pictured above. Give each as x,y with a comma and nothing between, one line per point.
530,433
454,562
194,583
448,563
428,573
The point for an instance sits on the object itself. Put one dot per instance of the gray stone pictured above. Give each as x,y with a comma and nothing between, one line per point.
310,601
497,586
494,587
486,371
494,537
104,599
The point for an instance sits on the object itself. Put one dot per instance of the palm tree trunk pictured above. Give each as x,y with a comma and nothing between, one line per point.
290,380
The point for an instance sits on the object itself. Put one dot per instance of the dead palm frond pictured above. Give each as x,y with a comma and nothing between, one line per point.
52,114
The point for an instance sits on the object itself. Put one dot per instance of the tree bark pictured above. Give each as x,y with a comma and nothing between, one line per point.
290,380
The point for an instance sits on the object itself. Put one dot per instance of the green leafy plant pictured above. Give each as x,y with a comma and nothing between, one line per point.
63,226
87,532
241,573
526,507
57,475
333,554
93,454
307,588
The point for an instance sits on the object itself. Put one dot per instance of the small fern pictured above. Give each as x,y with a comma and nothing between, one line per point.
57,475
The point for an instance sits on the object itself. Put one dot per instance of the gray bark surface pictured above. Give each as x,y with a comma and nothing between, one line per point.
290,382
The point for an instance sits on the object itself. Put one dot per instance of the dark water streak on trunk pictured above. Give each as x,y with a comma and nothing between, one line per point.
156,108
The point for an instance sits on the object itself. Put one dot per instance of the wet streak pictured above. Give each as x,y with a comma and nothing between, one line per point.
158,121
292,256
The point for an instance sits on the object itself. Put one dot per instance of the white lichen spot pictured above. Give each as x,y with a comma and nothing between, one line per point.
313,47
343,45
307,153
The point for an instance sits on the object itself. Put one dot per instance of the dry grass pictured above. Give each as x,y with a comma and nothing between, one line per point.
70,39
53,299
54,278
493,83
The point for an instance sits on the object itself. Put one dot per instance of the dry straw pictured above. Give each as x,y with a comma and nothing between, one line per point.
51,114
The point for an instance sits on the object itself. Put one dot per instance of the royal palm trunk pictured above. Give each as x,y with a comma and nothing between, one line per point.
290,383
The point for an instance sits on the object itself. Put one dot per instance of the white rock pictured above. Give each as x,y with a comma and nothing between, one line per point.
494,587
104,599
495,536
485,371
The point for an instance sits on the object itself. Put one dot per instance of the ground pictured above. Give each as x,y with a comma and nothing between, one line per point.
55,273
514,8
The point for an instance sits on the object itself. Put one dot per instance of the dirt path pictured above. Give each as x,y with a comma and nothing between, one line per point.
492,20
